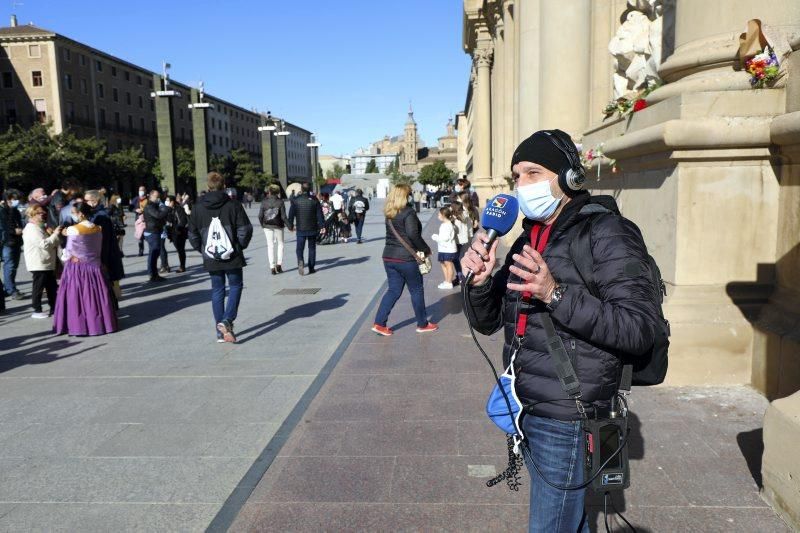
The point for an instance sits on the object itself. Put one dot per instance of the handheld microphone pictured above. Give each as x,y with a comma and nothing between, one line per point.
499,216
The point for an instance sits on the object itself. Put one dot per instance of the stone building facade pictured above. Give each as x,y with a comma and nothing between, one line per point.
47,77
708,166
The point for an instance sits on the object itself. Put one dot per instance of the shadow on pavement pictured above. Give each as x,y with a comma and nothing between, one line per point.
42,353
297,312
140,313
339,262
751,443
438,311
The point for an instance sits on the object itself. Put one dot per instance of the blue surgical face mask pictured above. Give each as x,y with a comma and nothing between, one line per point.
74,217
536,201
14,203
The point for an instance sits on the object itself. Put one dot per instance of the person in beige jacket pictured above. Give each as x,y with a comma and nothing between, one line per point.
40,258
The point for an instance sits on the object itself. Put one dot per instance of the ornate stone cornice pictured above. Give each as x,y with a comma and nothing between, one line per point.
482,57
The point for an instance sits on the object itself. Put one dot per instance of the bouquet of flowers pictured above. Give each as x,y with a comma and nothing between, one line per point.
763,68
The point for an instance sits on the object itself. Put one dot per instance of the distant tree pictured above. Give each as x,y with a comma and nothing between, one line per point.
436,173
336,172
84,158
372,167
184,170
398,178
246,171
129,167
26,158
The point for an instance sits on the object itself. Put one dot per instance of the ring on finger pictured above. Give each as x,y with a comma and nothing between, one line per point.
538,269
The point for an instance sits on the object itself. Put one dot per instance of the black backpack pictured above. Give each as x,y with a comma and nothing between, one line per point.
649,369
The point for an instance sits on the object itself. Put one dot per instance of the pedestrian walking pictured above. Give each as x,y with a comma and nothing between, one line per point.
305,217
12,243
403,240
40,258
220,230
84,303
446,240
117,214
110,254
178,230
155,218
357,210
272,217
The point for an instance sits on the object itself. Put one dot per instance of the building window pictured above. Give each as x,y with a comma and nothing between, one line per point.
98,65
36,78
141,102
138,80
141,125
11,111
130,123
127,76
116,119
68,81
102,118
100,91
71,111
83,60
214,139
180,113
34,50
150,84
84,86
114,71
8,80
114,94
153,125
86,112
66,54
152,106
41,110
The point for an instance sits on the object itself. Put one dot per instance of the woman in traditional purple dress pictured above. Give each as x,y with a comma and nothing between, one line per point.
84,305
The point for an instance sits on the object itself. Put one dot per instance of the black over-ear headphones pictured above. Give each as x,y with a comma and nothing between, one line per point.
570,179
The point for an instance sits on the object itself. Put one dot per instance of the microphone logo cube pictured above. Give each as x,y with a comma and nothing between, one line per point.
499,201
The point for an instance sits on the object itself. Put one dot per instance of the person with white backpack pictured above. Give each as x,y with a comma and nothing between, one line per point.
220,230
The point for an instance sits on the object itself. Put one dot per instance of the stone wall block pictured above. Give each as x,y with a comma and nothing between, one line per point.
780,468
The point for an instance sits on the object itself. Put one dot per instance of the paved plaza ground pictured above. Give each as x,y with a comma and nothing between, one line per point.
313,423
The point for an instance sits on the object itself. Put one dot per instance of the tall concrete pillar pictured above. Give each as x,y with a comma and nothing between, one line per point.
164,128
564,98
313,148
283,167
200,136
482,147
265,130
509,85
528,48
498,92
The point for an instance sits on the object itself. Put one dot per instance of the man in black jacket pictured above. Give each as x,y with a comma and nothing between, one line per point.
307,212
155,218
221,264
538,277
12,242
357,209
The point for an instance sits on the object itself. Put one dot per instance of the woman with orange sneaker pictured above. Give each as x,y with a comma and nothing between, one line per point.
403,236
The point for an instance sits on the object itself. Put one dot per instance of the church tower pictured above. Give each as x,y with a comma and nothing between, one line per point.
410,143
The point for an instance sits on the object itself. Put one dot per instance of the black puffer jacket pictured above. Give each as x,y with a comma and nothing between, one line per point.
233,218
305,215
594,331
409,227
155,217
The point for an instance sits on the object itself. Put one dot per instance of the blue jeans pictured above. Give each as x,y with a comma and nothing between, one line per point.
399,275
153,251
235,285
359,225
312,249
11,256
558,449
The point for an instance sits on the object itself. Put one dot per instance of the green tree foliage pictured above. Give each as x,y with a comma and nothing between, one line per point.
246,173
372,167
336,172
436,173
129,166
184,169
26,158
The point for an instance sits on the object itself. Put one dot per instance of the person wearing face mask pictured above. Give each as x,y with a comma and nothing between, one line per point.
117,214
155,218
110,254
539,277
138,204
40,259
12,243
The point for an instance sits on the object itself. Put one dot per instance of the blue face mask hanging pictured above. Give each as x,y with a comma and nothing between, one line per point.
504,407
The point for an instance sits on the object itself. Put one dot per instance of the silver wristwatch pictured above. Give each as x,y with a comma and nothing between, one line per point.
558,295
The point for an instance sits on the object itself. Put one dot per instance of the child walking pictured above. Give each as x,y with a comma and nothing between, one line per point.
447,247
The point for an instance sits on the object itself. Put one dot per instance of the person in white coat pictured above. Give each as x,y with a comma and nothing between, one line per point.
447,247
40,258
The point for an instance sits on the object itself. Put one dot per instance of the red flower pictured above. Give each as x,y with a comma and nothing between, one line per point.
638,105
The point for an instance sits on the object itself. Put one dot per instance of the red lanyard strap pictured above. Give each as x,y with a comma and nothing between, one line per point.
540,234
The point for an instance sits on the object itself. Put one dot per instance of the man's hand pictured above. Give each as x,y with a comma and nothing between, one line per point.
478,260
536,276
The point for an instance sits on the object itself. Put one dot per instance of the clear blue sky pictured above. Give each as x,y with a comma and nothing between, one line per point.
344,69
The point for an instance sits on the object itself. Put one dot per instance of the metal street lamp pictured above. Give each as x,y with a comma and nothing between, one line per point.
314,152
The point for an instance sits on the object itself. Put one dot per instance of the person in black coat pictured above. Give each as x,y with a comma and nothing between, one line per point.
155,219
178,230
272,217
11,243
305,217
110,254
403,236
357,209
223,254
539,277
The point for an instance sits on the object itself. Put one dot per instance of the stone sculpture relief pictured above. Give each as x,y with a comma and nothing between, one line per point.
637,46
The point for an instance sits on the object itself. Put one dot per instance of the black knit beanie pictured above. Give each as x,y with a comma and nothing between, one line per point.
540,150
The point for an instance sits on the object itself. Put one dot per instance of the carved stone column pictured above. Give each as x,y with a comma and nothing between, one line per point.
482,148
